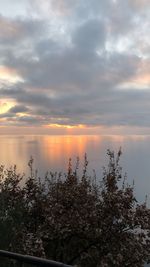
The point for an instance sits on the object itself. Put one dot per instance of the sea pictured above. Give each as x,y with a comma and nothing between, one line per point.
52,153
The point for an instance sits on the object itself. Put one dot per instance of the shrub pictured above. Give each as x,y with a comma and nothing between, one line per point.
75,219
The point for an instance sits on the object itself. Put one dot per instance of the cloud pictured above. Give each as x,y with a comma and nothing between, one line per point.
52,7
14,30
18,109
139,5
88,69
90,35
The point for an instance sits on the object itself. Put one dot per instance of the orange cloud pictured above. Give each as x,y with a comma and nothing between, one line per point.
142,77
9,74
100,130
141,80
70,129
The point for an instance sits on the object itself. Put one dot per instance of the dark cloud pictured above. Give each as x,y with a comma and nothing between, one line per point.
18,109
28,120
6,115
90,35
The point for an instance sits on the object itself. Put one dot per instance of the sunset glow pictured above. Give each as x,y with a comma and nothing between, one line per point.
9,75
80,126
5,105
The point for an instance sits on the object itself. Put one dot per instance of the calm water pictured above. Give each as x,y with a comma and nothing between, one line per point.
52,153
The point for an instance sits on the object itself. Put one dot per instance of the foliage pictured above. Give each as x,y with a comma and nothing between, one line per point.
74,219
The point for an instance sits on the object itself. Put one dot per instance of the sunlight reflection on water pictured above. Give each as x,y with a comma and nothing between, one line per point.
52,153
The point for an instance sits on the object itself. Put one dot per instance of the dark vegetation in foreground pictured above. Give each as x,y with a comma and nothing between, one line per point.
80,221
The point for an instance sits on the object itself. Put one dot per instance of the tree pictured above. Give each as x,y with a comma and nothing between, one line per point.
77,220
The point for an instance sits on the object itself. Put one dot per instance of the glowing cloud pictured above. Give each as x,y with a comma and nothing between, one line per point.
9,74
5,105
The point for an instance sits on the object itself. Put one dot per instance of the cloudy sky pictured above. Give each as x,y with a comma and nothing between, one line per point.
75,66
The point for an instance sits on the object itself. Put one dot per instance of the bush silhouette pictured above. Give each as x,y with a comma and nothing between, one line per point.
74,218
